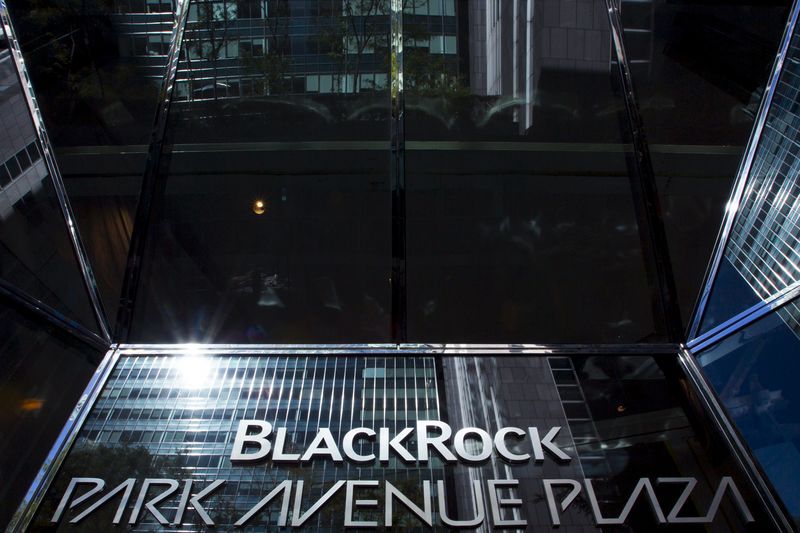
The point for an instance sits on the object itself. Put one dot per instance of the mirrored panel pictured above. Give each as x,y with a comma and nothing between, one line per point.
273,217
521,223
42,376
96,68
752,372
700,70
36,254
322,443
761,256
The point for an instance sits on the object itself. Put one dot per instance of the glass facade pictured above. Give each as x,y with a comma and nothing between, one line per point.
398,263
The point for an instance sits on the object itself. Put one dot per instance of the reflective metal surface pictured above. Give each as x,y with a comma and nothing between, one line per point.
14,297
744,318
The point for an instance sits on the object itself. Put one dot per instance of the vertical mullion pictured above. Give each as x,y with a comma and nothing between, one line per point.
397,176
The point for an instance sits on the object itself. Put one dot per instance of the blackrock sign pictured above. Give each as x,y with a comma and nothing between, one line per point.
257,441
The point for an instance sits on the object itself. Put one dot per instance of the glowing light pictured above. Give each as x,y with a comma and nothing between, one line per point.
31,404
194,370
621,408
259,207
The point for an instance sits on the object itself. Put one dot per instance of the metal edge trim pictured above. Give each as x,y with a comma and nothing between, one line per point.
742,178
644,192
399,289
30,503
137,245
727,429
87,274
745,318
398,349
51,316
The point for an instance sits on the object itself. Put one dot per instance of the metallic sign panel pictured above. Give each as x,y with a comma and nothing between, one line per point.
324,442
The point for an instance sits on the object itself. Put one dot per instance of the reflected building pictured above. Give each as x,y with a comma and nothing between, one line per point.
22,169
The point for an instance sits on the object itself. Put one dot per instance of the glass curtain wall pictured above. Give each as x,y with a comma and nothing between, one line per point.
494,205
521,221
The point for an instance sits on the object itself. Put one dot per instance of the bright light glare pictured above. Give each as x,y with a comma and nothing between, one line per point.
194,370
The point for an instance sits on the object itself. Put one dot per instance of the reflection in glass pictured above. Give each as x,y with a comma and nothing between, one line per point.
761,255
521,225
97,92
700,70
41,379
285,104
754,372
36,254
150,423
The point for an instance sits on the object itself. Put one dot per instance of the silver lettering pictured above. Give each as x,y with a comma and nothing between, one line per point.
555,515
298,518
479,513
350,504
547,442
425,514
194,501
286,487
278,455
260,439
459,442
126,487
324,436
150,506
497,502
385,444
438,442
349,448
502,449
98,483
643,485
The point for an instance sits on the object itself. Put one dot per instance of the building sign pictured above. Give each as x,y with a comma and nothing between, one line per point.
323,442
